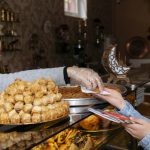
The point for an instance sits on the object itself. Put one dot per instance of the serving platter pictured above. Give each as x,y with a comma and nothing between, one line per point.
30,126
84,101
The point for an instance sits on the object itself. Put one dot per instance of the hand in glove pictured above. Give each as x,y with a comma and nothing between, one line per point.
86,77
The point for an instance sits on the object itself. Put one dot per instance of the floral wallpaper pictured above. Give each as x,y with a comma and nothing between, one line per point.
39,26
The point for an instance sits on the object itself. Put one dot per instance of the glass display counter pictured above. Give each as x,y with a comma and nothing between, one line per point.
28,136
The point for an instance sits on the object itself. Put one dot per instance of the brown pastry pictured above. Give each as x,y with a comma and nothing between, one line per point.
26,118
19,97
8,106
28,99
27,108
44,100
36,117
27,93
37,102
15,119
19,106
4,118
39,94
44,109
36,109
12,113
2,110
21,113
90,123
11,99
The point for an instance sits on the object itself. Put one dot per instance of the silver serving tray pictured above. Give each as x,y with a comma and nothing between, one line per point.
84,101
78,110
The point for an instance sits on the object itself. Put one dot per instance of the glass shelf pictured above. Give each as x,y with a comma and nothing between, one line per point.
41,132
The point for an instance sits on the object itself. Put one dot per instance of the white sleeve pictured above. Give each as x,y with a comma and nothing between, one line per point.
56,74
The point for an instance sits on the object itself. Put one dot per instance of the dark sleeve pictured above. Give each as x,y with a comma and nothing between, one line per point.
66,78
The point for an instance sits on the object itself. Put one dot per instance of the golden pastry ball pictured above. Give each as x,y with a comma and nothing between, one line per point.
91,123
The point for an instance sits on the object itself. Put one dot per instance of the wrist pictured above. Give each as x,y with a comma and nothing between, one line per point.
121,105
71,71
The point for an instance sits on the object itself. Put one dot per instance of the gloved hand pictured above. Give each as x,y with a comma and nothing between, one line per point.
85,77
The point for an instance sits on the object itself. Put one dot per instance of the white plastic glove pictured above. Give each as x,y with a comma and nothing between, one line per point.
85,77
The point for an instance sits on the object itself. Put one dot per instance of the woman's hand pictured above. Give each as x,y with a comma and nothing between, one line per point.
85,77
139,129
114,98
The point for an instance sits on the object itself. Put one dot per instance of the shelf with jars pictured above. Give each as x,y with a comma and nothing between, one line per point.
9,30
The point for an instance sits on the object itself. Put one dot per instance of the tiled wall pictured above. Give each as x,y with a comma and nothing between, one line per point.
39,19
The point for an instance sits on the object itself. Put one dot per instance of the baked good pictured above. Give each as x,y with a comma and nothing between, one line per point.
31,102
91,123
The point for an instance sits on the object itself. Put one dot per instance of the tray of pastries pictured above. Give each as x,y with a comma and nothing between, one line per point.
24,103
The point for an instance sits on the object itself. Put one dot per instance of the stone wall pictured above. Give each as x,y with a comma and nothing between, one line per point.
39,20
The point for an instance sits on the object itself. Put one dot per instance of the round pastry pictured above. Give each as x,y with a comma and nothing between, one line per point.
39,94
35,87
37,102
36,109
15,119
28,99
1,103
44,116
8,106
27,92
4,118
58,97
10,99
27,108
26,118
44,109
44,100
36,117
51,98
19,97
12,113
90,123
51,106
2,110
43,89
21,113
11,91
19,106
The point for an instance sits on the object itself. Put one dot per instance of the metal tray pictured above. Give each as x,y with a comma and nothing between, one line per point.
84,101
29,126
78,110
84,109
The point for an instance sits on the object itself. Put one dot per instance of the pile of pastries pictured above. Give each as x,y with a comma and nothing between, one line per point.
25,102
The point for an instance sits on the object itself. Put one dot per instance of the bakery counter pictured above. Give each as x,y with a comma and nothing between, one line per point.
27,136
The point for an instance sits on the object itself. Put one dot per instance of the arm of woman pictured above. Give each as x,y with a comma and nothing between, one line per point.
123,107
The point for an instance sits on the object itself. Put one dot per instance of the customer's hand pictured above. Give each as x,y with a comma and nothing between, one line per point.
114,98
85,77
139,129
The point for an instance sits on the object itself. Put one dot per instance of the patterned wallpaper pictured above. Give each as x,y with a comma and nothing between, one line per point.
39,20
